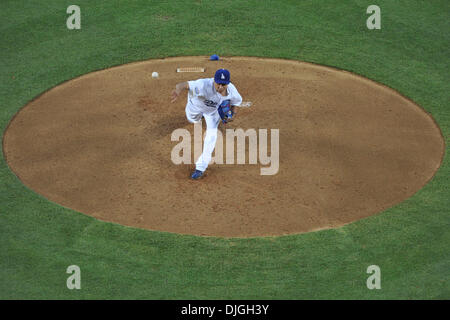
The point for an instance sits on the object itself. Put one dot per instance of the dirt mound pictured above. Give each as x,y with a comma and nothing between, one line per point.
348,148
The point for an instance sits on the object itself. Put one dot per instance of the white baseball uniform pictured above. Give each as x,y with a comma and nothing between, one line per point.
203,101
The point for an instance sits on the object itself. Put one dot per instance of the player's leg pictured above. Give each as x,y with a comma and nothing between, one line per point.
193,115
212,122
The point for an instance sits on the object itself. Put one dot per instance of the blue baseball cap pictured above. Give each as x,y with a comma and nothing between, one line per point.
222,76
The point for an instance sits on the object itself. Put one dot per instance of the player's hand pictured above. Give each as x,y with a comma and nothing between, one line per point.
175,95
178,89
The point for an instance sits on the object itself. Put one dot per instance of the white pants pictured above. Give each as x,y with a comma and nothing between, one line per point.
212,122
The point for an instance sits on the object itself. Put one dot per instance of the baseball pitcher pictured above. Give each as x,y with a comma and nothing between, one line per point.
213,99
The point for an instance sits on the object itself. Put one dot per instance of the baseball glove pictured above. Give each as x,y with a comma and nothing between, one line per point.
226,111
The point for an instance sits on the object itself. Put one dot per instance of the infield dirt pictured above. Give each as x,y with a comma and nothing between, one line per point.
101,144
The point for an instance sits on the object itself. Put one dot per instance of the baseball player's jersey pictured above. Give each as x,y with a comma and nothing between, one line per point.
204,97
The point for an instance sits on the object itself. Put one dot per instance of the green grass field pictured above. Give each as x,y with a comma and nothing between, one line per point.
39,239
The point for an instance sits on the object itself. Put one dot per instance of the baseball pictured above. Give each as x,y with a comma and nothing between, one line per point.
155,75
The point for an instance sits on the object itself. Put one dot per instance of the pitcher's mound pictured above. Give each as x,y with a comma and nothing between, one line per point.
348,148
